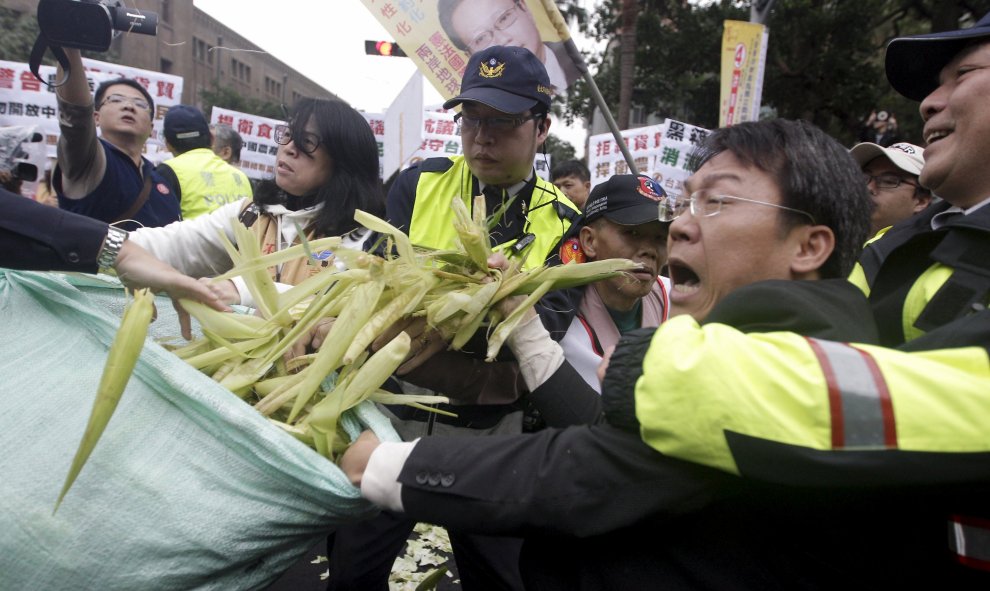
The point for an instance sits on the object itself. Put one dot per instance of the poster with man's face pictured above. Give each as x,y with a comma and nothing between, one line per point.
441,35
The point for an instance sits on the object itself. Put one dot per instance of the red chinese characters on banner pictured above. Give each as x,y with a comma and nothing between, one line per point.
165,89
29,82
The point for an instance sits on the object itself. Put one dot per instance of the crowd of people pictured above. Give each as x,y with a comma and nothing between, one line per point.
790,393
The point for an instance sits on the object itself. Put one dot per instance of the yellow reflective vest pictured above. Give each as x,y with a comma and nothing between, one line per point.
918,279
432,224
719,397
206,182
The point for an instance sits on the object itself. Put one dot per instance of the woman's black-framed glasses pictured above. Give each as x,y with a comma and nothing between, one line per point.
309,142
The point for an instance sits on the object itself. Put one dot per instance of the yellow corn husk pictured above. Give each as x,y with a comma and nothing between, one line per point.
361,384
223,354
261,285
265,387
301,434
472,235
402,243
454,290
276,258
574,274
193,348
386,317
228,325
502,331
468,327
385,397
319,283
123,356
448,304
283,392
328,357
432,579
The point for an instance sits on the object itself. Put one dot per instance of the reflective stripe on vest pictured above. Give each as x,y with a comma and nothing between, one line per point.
861,410
969,540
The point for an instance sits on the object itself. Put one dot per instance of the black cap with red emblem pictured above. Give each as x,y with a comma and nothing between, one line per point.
627,199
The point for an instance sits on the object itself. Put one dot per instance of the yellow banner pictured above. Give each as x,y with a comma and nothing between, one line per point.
744,54
441,45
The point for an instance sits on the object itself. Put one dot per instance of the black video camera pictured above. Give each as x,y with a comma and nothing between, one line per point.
91,24
22,152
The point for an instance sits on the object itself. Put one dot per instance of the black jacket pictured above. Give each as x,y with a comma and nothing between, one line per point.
602,510
43,238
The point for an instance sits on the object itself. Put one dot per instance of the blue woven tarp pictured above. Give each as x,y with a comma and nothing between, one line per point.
189,487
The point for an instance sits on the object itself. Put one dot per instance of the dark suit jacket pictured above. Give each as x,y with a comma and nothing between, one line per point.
43,238
585,480
601,510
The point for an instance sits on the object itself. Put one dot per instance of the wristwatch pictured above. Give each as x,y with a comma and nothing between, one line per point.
111,247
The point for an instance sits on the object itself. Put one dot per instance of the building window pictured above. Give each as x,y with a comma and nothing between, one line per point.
166,12
273,87
240,71
202,51
166,66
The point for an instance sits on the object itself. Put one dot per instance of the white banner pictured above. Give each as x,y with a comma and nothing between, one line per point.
605,157
665,152
403,122
258,133
26,101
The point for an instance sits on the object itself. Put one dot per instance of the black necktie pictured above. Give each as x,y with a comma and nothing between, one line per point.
493,198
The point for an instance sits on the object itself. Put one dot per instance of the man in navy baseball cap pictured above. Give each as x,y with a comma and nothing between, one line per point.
913,63
508,79
186,128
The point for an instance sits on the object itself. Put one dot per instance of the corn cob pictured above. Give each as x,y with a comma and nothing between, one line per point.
121,359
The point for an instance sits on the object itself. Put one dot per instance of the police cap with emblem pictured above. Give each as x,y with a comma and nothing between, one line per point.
507,79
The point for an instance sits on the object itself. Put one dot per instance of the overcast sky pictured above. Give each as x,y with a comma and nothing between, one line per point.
324,40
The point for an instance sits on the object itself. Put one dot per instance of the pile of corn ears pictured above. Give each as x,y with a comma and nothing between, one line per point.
454,290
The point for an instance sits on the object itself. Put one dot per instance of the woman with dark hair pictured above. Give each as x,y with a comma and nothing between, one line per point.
326,168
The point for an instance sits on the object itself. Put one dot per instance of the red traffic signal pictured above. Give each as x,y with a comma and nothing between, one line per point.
387,48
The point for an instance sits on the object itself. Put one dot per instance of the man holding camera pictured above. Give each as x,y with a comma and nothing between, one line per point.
880,128
106,177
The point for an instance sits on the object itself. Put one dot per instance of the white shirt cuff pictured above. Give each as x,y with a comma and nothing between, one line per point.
242,290
380,482
539,355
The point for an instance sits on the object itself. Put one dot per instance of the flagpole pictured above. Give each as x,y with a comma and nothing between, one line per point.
560,25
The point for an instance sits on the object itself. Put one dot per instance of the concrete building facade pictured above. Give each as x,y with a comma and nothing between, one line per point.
206,53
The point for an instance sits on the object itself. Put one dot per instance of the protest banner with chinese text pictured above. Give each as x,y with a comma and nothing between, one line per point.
26,101
441,54
259,148
605,158
744,56
664,151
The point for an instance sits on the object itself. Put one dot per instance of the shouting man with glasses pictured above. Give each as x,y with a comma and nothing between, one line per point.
892,176
757,215
107,178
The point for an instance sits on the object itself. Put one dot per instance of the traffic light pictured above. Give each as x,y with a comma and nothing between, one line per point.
387,48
